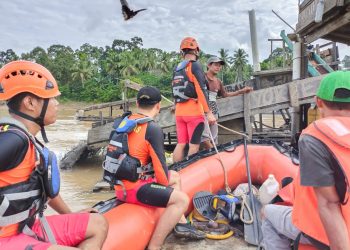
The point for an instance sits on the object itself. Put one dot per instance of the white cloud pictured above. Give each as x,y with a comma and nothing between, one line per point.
216,24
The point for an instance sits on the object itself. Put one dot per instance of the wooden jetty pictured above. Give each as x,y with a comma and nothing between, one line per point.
265,100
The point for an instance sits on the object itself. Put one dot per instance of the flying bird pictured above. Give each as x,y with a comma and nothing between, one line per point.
127,12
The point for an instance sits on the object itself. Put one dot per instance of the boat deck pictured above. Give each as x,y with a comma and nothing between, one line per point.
232,243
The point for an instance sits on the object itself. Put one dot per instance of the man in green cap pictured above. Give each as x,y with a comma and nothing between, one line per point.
320,215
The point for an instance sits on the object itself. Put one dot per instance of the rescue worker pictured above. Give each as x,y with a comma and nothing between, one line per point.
215,89
29,175
190,95
321,211
155,185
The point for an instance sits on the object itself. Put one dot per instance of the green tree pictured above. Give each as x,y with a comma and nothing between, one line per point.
82,71
7,56
224,55
240,60
127,64
62,60
39,55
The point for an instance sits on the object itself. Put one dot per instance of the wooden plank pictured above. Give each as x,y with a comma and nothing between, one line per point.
99,134
293,94
133,85
107,105
328,28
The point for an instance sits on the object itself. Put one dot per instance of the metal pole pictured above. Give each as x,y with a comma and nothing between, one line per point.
290,26
295,126
297,61
254,40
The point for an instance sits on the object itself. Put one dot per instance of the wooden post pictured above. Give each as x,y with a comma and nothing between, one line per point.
317,49
125,95
271,54
101,117
284,54
334,55
111,111
294,103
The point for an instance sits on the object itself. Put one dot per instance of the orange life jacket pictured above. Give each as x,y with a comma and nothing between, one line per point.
334,132
23,173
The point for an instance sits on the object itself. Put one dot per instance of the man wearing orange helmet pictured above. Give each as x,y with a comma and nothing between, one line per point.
190,95
29,173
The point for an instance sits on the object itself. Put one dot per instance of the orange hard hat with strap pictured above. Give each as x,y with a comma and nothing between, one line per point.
24,76
189,43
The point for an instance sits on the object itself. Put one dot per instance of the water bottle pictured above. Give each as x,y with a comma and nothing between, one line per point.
268,189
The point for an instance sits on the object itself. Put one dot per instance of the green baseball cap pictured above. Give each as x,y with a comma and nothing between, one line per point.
331,87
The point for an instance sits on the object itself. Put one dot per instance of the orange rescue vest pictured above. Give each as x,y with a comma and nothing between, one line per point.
334,132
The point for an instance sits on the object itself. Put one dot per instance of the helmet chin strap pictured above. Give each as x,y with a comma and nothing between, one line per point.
39,120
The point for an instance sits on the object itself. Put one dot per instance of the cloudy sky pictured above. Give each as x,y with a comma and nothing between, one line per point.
216,24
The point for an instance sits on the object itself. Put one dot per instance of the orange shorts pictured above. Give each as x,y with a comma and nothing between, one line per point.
68,229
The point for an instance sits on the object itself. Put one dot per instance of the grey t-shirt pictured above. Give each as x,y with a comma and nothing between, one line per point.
318,166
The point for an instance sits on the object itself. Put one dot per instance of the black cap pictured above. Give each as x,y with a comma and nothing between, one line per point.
148,96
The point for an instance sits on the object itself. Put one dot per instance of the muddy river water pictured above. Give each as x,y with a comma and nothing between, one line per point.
77,183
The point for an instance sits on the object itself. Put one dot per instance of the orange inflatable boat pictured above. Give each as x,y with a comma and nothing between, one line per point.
131,226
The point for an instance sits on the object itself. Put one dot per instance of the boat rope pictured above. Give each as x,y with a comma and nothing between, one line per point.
241,192
245,205
167,99
227,187
232,131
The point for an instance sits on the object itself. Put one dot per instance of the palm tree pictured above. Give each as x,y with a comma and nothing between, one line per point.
149,61
164,62
110,66
128,64
240,60
224,55
82,71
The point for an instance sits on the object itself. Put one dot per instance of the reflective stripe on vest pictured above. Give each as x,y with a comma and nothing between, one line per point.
21,216
334,132
32,200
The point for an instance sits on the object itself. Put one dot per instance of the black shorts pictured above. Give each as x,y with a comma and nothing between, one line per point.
154,194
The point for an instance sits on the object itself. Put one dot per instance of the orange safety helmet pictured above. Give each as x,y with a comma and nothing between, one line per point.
25,76
189,43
